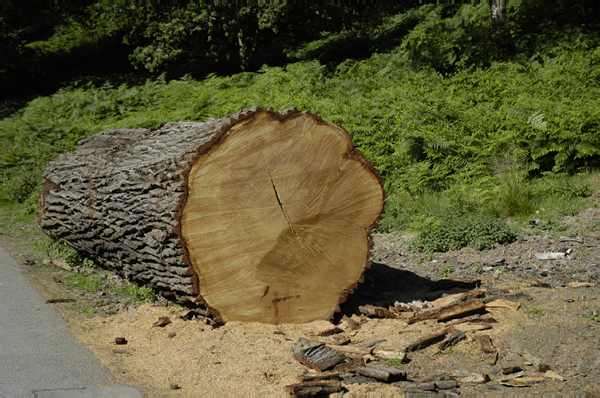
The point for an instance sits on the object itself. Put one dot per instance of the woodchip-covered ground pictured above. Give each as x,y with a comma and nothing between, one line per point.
554,323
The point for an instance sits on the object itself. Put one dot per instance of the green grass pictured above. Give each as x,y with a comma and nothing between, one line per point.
446,270
533,311
394,363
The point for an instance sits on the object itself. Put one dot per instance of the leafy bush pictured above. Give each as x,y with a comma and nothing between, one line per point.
455,232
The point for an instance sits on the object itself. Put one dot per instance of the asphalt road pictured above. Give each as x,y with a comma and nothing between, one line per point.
39,357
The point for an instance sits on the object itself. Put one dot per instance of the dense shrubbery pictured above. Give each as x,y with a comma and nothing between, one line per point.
447,116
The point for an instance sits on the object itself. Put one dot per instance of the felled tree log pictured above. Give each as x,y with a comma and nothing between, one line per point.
261,216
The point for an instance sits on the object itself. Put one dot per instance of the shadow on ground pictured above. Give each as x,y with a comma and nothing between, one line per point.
384,285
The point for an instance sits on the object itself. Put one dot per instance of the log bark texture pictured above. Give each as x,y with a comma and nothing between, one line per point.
261,216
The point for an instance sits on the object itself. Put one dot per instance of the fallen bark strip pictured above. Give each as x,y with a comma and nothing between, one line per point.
509,296
376,312
452,340
451,311
60,301
383,373
316,355
314,387
319,376
428,340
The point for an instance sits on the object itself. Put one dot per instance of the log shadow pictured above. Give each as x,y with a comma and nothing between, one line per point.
384,285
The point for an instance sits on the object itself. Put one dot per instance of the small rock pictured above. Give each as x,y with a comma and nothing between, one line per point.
550,256
590,312
446,384
120,341
131,311
171,335
495,262
175,387
577,239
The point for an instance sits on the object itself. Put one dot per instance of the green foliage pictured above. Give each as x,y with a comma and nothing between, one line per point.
446,270
493,136
597,317
533,311
83,282
139,294
452,232
60,250
394,363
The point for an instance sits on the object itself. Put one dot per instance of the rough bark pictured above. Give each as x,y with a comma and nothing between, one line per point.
498,11
261,216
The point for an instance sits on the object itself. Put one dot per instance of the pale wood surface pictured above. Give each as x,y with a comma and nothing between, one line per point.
277,219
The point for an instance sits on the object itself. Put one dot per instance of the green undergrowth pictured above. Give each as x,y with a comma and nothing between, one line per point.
464,131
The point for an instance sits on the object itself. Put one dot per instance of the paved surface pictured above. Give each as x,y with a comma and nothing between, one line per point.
39,357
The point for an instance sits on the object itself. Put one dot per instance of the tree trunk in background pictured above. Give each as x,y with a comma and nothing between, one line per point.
498,11
261,216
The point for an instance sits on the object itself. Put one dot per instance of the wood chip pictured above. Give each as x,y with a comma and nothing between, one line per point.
513,305
386,355
314,387
57,279
120,340
580,284
349,324
553,375
486,345
491,358
472,378
162,322
511,369
376,312
527,380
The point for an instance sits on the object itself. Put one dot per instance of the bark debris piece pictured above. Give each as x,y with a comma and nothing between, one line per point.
316,355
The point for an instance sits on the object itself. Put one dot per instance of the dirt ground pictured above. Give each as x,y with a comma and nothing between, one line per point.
555,323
